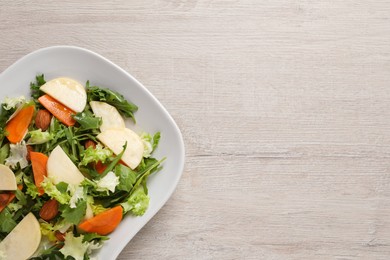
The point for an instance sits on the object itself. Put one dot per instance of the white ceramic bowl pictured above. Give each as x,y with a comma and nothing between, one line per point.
83,65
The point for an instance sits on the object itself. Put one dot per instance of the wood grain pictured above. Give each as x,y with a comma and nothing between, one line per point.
283,105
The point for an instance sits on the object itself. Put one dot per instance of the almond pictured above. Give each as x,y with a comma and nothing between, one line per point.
42,119
60,236
49,210
89,143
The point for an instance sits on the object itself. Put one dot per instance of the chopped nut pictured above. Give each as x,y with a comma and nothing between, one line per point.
42,119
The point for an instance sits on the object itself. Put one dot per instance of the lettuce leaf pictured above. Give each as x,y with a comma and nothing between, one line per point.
150,143
137,203
56,191
18,156
99,153
39,137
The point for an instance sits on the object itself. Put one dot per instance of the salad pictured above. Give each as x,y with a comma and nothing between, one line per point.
70,169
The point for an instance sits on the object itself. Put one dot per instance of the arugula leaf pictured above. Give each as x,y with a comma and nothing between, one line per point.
21,197
35,91
156,140
74,215
87,119
127,177
4,152
7,223
113,98
4,116
114,162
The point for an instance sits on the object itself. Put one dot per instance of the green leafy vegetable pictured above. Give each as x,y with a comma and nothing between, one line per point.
87,120
35,91
39,137
4,152
13,103
56,192
78,247
74,215
116,185
99,153
7,223
127,177
113,98
31,190
137,203
114,162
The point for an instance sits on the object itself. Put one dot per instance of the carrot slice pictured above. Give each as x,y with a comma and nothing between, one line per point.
7,198
39,161
4,200
103,223
61,112
100,167
17,126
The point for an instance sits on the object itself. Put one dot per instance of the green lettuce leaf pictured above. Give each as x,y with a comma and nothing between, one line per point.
56,191
39,137
99,153
137,203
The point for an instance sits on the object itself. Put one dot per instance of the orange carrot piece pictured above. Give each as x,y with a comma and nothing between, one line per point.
5,199
103,223
17,126
61,112
39,161
100,167
8,197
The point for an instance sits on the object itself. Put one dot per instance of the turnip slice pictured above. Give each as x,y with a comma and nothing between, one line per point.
61,169
109,114
7,178
68,92
115,139
23,240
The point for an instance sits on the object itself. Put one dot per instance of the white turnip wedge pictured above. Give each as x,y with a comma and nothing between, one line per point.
7,178
61,169
68,92
109,114
115,139
23,240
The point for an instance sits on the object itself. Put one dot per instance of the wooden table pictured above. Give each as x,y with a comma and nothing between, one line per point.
284,107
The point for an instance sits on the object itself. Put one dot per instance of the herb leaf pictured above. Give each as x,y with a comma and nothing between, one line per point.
113,98
35,91
74,215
